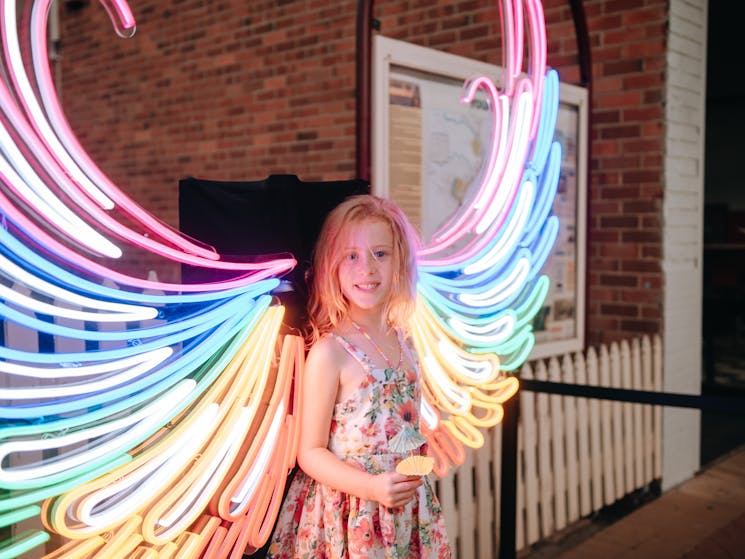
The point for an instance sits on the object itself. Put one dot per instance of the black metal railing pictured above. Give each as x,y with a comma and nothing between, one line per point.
508,504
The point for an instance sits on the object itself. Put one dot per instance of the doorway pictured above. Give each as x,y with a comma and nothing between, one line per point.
723,326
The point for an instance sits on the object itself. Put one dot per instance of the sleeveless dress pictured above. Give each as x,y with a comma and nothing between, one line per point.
319,522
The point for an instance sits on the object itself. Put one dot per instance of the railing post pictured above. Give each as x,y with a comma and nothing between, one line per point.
508,492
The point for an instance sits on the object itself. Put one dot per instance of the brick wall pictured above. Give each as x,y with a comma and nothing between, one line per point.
626,178
236,90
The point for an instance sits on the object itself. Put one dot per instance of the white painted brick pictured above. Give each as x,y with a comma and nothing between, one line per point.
685,45
688,11
682,232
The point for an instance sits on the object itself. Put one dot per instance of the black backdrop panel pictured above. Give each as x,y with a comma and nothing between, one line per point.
276,216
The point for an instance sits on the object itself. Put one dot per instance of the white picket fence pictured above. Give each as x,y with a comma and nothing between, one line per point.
575,455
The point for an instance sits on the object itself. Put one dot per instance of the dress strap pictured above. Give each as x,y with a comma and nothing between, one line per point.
354,351
410,353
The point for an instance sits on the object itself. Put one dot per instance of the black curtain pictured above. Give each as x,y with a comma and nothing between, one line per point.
251,220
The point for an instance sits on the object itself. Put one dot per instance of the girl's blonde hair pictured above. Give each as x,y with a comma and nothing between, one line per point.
327,306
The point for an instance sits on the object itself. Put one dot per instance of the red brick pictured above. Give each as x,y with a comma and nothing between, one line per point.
619,280
641,266
641,236
641,296
620,310
625,250
620,222
640,327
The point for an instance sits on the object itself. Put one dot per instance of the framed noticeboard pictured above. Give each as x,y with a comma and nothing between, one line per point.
428,149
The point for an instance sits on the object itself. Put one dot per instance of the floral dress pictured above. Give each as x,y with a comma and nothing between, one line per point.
319,522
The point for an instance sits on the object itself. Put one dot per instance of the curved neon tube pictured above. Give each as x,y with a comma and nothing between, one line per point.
68,139
147,478
254,271
13,58
543,245
121,17
22,498
492,334
459,224
547,122
26,542
120,312
210,292
510,236
184,327
518,145
495,251
548,184
242,303
159,379
505,289
232,379
62,390
501,189
18,77
133,427
34,305
78,370
47,205
245,492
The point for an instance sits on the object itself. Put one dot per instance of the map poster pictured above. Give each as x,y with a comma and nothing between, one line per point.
436,147
436,153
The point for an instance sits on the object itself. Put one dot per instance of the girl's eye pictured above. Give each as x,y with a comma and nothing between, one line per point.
352,256
380,254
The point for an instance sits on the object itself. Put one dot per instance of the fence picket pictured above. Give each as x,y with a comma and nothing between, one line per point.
558,459
484,499
545,479
466,506
572,459
608,453
648,411
449,504
521,504
585,428
657,379
628,419
530,454
617,423
636,375
496,476
598,423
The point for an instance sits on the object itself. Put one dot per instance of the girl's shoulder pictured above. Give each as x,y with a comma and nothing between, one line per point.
328,351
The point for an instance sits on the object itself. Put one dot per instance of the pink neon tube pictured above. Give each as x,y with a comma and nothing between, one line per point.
59,122
454,228
52,165
505,184
502,175
258,271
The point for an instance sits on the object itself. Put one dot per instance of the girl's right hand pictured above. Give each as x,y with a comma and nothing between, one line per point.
392,489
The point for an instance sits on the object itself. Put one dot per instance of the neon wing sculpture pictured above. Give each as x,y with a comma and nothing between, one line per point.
161,419
162,412
479,283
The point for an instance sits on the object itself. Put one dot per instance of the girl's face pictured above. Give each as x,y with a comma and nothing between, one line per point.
366,269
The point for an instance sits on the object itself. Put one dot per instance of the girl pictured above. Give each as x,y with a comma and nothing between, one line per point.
361,394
